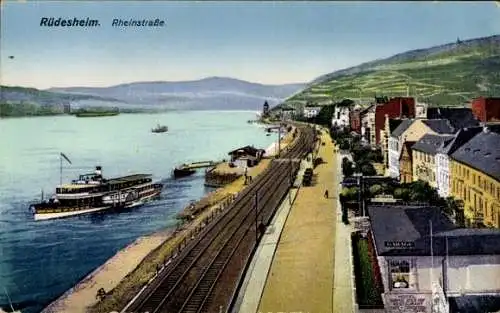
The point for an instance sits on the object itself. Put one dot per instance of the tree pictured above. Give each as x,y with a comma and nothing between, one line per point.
421,191
346,103
368,169
347,169
324,116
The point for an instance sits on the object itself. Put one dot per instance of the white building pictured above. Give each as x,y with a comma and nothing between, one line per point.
396,141
310,112
461,264
442,158
340,116
421,109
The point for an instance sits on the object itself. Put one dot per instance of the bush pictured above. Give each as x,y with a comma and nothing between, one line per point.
375,190
402,193
349,194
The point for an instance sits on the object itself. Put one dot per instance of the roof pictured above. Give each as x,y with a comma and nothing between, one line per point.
460,138
482,153
393,224
402,127
431,143
128,178
474,303
247,149
440,126
407,146
394,123
370,108
458,117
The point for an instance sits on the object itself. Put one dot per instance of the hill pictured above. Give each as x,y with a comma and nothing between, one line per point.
20,101
207,93
446,75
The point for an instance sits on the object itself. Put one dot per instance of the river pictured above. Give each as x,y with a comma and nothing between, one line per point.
40,260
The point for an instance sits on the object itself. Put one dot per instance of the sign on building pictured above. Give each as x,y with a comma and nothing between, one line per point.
408,303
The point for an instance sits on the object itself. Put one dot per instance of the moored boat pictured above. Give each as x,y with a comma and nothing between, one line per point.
183,171
93,193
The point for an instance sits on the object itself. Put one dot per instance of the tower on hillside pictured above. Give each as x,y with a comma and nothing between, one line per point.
265,109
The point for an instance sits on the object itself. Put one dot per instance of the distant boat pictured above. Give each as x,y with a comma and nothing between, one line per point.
95,114
160,129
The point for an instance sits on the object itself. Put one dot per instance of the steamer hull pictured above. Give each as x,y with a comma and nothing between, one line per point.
92,194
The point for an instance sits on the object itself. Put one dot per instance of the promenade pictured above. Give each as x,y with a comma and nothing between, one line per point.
303,262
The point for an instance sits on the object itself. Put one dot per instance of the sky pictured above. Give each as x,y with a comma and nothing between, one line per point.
264,42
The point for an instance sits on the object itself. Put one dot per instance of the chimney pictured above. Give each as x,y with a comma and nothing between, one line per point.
98,170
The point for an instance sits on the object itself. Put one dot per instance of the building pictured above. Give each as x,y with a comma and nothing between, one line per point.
424,157
311,111
486,109
247,156
406,163
390,126
67,108
355,120
421,110
442,158
475,178
368,124
395,108
458,117
419,255
340,116
287,112
412,130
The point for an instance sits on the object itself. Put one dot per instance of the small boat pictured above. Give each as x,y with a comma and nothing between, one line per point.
182,171
92,193
160,129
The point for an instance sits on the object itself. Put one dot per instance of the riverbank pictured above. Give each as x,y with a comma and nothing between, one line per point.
123,279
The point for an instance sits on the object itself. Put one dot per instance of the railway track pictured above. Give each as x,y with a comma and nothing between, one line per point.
205,276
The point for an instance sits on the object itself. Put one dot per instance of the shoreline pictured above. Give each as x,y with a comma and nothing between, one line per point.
138,257
69,301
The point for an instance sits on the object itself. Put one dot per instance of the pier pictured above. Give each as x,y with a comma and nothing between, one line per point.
196,165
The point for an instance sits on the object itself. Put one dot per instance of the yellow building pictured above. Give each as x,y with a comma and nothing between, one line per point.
423,157
475,179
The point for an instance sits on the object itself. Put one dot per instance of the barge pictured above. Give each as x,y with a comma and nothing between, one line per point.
92,193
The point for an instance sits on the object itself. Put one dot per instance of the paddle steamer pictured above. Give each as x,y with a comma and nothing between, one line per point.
93,193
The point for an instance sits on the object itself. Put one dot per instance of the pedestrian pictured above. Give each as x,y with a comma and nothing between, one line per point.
326,194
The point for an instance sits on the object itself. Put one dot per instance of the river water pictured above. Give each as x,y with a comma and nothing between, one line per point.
40,260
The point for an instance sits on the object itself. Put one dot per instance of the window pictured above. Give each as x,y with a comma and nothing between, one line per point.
399,271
